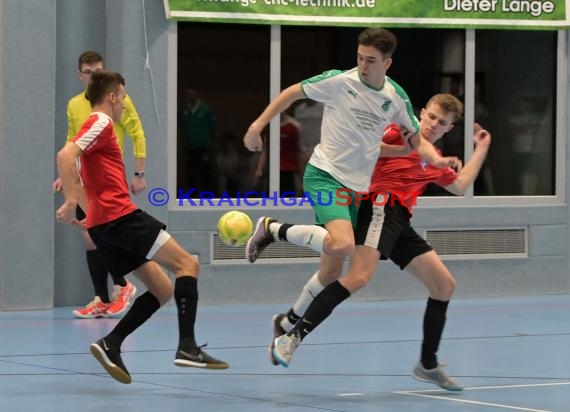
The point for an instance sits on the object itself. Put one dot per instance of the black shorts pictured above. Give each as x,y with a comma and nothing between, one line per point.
388,229
125,242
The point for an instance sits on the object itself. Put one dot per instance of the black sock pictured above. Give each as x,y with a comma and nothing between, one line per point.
142,309
292,317
434,322
320,308
122,282
282,232
186,296
98,273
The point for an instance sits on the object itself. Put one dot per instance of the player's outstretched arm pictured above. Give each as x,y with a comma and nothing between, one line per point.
468,174
428,152
252,138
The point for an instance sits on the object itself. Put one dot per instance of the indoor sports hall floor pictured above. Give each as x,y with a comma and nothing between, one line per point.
511,354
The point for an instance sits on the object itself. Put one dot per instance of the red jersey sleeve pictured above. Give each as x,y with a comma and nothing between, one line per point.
447,177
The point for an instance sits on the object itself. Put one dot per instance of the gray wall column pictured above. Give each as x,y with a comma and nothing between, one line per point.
27,139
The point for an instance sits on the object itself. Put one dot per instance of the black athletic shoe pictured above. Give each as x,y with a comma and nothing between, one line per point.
277,331
260,239
110,358
197,358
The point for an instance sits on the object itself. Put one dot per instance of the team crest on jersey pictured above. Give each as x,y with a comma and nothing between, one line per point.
386,104
424,164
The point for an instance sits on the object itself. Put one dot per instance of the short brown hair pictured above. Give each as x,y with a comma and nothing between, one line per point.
381,39
102,83
89,57
449,103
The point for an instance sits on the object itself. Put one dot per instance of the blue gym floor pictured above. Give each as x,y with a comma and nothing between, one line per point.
510,353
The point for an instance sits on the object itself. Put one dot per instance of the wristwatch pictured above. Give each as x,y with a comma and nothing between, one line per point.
139,174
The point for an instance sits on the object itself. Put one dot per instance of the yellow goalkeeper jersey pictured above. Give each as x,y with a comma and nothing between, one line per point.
79,108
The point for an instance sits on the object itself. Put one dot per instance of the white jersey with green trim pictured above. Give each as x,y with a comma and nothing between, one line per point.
354,118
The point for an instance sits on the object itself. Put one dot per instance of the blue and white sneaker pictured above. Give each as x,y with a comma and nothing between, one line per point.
277,331
436,376
285,346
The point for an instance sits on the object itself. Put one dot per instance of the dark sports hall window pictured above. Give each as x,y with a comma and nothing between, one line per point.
512,76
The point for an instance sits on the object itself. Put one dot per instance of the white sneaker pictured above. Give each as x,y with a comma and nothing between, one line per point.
277,331
436,376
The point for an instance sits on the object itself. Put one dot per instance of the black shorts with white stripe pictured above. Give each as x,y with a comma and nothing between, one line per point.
386,227
125,242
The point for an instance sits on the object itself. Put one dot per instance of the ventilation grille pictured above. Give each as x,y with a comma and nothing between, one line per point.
487,243
275,252
492,242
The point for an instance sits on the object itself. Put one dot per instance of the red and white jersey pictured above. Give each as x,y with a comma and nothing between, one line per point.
102,171
407,176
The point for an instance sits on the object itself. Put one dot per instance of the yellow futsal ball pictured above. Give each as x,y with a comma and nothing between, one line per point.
235,228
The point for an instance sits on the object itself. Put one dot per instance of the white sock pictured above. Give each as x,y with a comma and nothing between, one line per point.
274,229
311,236
285,324
310,291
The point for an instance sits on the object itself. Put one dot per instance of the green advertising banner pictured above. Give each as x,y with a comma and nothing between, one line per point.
497,14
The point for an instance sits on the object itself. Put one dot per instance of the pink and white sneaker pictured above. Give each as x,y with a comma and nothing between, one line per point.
94,309
122,299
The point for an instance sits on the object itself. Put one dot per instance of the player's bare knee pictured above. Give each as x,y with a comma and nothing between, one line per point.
443,289
193,265
355,281
341,247
361,281
448,288
186,264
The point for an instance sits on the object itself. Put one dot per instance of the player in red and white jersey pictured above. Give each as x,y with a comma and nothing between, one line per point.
128,239
102,171
384,231
103,303
406,177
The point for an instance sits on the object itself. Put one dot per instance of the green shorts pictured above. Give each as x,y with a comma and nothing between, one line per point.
331,199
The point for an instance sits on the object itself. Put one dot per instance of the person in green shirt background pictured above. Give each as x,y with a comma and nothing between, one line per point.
197,123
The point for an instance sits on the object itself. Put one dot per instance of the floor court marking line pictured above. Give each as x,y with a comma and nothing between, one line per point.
496,405
530,385
473,388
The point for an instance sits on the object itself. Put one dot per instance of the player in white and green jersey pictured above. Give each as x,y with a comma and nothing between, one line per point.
355,115
359,104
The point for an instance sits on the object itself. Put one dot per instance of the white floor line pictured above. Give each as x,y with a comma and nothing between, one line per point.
496,405
474,388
